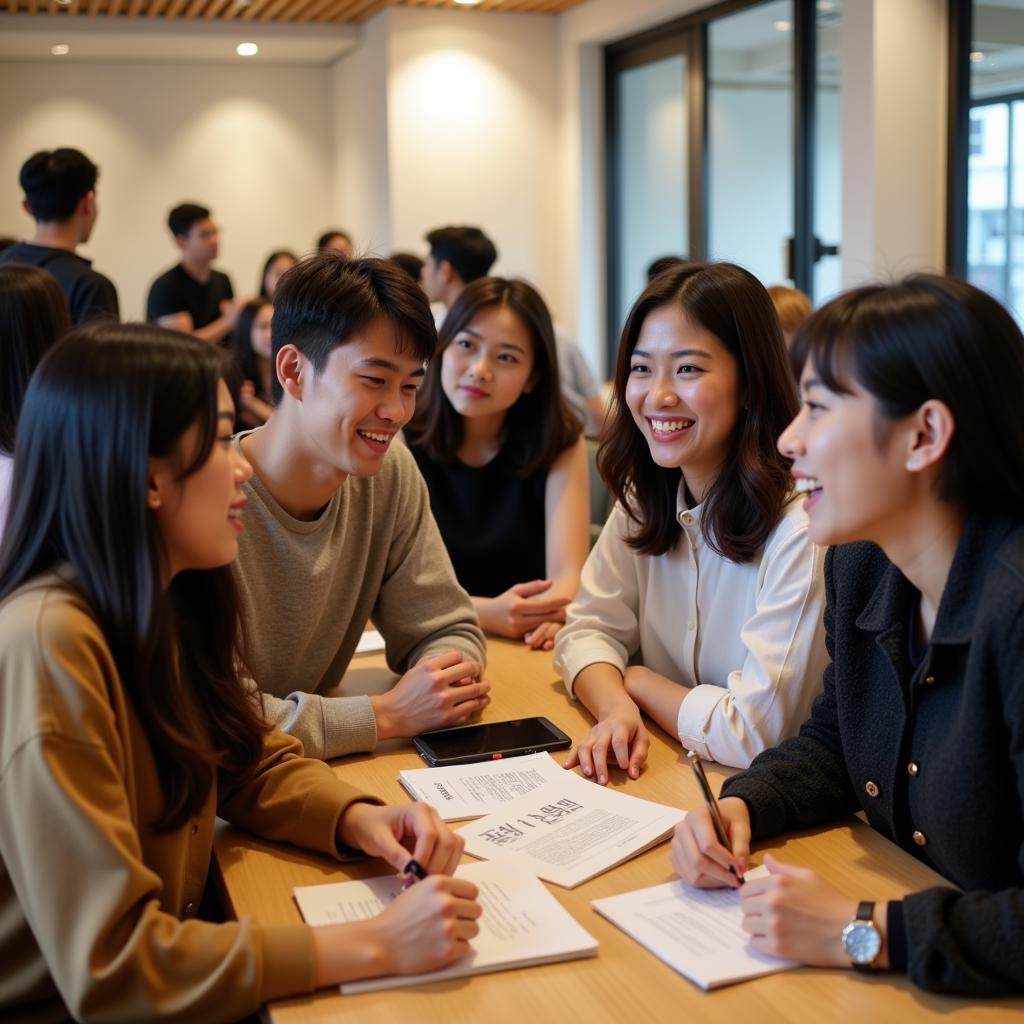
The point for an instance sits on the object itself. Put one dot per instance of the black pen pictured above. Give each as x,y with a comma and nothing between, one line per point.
412,873
709,798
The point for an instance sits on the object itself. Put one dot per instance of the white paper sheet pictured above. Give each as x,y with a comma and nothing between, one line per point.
370,641
472,790
570,830
522,923
697,932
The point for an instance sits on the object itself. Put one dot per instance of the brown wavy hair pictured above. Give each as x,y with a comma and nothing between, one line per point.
746,500
541,423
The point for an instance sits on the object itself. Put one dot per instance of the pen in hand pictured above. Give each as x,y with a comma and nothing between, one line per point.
412,873
712,804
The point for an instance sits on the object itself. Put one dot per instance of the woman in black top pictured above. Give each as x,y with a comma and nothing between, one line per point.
504,460
911,437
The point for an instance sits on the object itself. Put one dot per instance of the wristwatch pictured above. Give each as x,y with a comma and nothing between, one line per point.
862,941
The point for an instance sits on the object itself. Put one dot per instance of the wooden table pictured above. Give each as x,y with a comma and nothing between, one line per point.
623,982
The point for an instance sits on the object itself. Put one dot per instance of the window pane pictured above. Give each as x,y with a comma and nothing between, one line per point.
750,138
652,172
827,163
995,162
987,186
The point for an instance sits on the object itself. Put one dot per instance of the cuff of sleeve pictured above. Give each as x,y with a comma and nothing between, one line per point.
694,713
349,726
896,937
766,819
321,812
470,651
289,961
572,663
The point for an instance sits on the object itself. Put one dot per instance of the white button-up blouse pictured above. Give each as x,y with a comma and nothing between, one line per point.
747,641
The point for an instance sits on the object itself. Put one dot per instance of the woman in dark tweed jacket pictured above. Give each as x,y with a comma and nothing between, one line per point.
911,438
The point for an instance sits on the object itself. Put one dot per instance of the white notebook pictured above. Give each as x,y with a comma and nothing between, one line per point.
471,790
522,924
697,932
570,830
369,642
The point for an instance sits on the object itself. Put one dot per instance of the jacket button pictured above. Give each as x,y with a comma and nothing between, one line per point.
687,518
920,838
929,680
195,829
189,907
871,789
912,770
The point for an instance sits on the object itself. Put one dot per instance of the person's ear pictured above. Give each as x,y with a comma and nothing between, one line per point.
447,271
27,208
87,204
159,483
931,431
292,370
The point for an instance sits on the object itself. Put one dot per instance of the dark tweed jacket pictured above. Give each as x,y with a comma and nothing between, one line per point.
934,756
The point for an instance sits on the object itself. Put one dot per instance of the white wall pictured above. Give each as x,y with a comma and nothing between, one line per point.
894,96
358,116
251,143
471,132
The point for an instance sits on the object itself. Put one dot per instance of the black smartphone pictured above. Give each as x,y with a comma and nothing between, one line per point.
490,742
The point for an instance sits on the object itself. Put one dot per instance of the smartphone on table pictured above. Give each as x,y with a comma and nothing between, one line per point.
490,742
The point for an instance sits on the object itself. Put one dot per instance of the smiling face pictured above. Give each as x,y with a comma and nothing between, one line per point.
488,364
350,412
849,463
683,392
199,518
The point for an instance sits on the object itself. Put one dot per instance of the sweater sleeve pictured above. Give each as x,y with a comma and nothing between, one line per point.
73,856
766,700
327,727
601,624
803,782
289,797
421,610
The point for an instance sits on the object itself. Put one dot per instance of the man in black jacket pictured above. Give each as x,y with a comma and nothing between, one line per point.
60,195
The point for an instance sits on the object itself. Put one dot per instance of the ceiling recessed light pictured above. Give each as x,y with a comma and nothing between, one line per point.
60,50
825,5
977,57
781,25
247,49
467,3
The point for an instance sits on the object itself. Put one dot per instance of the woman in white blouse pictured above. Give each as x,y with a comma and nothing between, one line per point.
701,603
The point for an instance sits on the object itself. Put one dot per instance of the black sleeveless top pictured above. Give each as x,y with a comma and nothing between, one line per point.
491,521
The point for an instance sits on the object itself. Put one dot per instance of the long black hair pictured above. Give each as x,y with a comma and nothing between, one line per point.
540,425
747,499
930,337
102,402
33,315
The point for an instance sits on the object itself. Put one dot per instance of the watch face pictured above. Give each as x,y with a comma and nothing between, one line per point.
861,942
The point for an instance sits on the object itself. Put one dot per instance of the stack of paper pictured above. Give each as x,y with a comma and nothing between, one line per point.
570,830
522,923
697,932
471,790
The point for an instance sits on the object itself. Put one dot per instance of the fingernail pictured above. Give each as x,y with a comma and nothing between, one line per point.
601,779
586,771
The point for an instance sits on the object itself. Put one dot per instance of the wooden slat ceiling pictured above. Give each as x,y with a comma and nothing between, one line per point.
242,11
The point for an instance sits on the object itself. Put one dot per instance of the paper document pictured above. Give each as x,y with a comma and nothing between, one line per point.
570,830
522,923
697,932
472,790
370,641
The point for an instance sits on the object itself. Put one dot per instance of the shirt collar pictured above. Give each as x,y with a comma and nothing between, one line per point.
981,539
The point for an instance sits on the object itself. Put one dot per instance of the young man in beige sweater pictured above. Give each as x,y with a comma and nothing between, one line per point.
338,523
